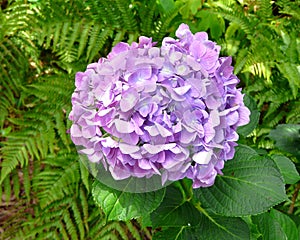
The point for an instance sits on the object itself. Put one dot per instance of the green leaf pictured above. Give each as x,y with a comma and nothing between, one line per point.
291,72
287,169
287,224
254,117
251,184
175,211
167,5
212,228
121,205
213,22
287,138
189,7
268,227
254,232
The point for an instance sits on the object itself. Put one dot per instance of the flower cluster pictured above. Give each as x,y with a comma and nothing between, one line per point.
171,111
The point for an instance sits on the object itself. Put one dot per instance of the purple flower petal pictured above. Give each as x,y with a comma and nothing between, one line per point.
244,116
75,131
197,49
154,149
87,151
120,47
203,157
123,126
163,131
89,131
129,100
182,90
128,149
144,164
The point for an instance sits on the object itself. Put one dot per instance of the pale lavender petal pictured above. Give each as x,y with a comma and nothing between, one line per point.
144,164
152,130
163,131
128,149
182,30
119,173
75,131
203,157
123,126
209,132
244,116
87,151
187,137
154,149
120,47
214,117
129,99
213,102
197,49
89,131
232,118
202,36
182,90
96,157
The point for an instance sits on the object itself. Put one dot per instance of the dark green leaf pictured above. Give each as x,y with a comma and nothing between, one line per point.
120,205
221,228
287,224
287,169
268,227
287,138
167,5
251,184
254,232
211,21
175,211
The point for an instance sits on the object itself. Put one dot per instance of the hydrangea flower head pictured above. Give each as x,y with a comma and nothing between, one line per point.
171,111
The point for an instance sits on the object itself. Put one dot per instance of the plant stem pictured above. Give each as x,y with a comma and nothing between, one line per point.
294,198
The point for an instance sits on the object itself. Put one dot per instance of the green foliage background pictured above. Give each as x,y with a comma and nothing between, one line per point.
45,190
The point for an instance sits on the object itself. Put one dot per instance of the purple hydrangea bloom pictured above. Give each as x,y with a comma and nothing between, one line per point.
171,111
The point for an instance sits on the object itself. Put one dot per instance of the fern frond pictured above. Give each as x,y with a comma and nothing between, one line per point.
164,24
70,225
133,231
105,12
234,14
147,13
293,116
289,8
7,189
34,140
78,219
16,183
4,106
264,8
12,155
111,230
261,69
126,15
54,185
241,60
19,16
27,180
84,36
292,73
97,40
13,63
84,173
